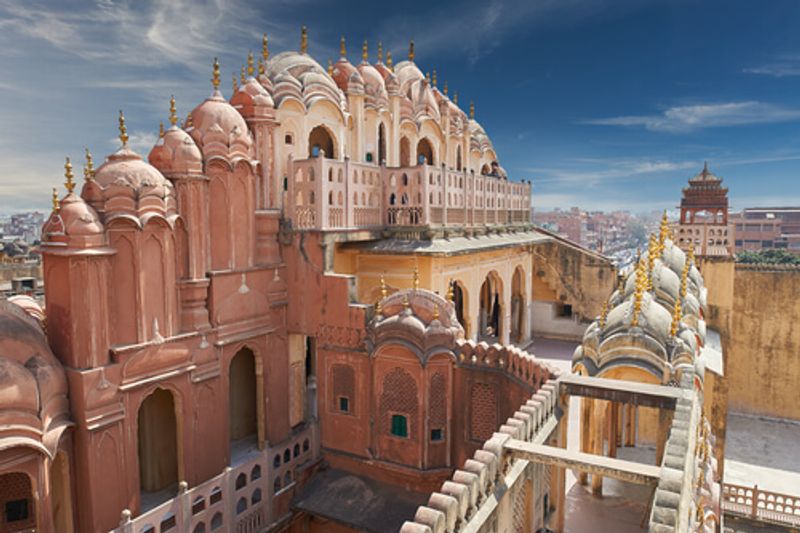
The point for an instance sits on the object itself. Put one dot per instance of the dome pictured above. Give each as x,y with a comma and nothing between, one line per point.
342,70
29,305
176,153
407,74
252,99
374,86
75,224
219,129
423,100
34,409
310,79
126,168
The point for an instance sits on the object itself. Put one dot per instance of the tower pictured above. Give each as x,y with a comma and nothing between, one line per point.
704,216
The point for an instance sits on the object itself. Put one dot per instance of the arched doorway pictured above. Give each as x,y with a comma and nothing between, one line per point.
490,312
242,404
320,139
381,144
518,311
405,152
17,503
61,493
158,443
425,152
485,169
460,303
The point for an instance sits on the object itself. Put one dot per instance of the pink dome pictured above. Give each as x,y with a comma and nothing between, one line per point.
218,129
374,85
342,70
252,99
176,153
29,305
126,168
75,225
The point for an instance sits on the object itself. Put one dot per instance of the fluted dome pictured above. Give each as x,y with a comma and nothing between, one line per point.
374,86
407,74
342,70
176,153
219,129
252,99
312,81
34,409
75,224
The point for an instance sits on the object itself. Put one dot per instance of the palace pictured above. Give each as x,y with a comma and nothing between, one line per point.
308,309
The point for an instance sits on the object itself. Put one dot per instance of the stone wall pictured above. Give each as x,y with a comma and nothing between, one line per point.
763,353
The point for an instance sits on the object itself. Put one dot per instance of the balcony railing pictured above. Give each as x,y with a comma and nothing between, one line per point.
330,194
759,504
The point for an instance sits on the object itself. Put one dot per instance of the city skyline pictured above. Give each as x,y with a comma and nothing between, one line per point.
602,104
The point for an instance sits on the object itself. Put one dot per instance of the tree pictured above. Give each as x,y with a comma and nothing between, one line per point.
771,256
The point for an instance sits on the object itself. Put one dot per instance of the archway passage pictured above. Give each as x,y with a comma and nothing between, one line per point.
490,309
425,152
485,169
242,404
320,139
459,302
158,444
17,503
381,144
61,493
405,152
518,310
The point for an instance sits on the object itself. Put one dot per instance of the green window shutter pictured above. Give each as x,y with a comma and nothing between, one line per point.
399,426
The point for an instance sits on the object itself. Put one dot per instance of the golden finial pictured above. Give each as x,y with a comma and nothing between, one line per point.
445,87
664,229
264,48
652,252
604,314
123,131
188,124
428,77
472,110
434,78
303,40
241,76
215,75
455,98
450,292
384,291
161,129
416,278
330,68
342,47
406,303
379,307
691,257
389,62
69,184
684,278
173,113
88,168
234,83
637,295
380,52
365,52
261,68
250,68
411,53
676,317
436,311
700,516
56,203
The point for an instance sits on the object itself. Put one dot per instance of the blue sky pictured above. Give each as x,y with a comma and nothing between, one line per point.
602,103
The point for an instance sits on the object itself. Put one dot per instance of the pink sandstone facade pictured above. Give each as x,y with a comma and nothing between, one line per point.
200,365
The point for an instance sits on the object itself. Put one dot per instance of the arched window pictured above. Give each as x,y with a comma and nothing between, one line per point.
405,180
425,152
405,152
320,140
458,157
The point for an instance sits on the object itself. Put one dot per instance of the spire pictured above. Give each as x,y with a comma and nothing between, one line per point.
56,203
428,77
264,48
690,256
234,83
173,113
684,278
604,314
342,48
303,40
445,87
123,131
450,292
455,98
241,76
365,52
638,293
380,52
705,168
389,62
664,229
88,168
188,125
472,110
384,291
676,317
434,78
261,68
215,75
416,278
330,68
436,312
161,129
250,68
411,53
69,184
652,253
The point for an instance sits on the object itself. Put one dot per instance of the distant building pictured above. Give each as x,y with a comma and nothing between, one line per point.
767,227
704,216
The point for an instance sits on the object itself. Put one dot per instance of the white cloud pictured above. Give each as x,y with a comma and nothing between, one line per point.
785,66
680,119
593,172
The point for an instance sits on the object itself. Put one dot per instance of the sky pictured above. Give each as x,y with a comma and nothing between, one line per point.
603,104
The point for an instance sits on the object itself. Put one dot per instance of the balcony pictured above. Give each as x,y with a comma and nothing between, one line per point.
327,194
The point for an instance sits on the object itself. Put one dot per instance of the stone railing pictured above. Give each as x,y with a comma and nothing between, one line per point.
239,499
330,194
492,492
515,362
762,505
